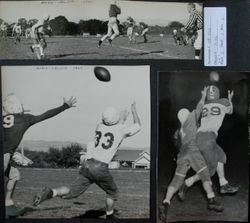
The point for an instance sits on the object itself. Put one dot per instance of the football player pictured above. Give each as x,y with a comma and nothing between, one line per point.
15,124
130,30
190,157
114,11
178,36
17,31
195,20
109,134
144,31
213,113
3,30
39,42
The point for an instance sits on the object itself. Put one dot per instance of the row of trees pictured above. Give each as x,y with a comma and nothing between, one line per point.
67,157
61,26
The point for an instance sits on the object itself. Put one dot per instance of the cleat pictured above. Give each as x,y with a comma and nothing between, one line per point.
46,194
13,211
163,210
31,48
182,192
213,205
111,216
110,41
99,43
227,189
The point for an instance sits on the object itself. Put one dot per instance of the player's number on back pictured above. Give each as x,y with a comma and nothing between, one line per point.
8,121
212,111
107,141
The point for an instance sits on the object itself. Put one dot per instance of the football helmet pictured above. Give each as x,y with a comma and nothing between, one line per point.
12,105
110,116
213,93
183,115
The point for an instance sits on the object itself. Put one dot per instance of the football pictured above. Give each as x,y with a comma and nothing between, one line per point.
102,74
214,76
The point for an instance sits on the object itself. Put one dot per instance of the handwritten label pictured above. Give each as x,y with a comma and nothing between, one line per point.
215,36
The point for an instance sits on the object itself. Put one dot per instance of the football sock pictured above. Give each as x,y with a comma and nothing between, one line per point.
197,54
109,212
210,195
223,181
166,201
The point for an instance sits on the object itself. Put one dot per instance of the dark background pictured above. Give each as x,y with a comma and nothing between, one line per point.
183,90
238,12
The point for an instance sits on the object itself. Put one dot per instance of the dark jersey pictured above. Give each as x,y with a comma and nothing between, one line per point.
15,125
114,10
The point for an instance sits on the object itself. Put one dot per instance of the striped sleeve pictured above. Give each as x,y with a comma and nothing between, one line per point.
195,19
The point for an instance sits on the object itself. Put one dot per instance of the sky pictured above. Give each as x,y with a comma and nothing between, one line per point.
40,88
160,13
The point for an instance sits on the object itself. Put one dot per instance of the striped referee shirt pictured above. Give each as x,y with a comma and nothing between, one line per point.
195,19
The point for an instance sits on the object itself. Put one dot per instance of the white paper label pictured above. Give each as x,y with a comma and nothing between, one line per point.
215,36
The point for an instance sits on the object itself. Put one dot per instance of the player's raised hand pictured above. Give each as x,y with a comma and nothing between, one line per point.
124,115
204,92
133,106
230,95
71,102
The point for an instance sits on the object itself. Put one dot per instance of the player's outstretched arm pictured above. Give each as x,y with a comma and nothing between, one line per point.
201,102
135,115
67,103
230,96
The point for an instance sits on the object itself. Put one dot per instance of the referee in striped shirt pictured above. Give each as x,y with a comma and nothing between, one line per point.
195,20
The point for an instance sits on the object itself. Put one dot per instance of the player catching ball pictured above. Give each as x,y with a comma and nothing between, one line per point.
15,123
213,113
114,11
190,157
109,135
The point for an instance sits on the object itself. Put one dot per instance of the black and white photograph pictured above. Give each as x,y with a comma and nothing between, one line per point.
94,29
76,141
203,146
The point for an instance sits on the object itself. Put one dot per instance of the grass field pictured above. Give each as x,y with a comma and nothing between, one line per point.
86,48
133,199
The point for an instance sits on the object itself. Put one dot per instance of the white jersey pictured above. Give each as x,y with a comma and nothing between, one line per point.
17,29
108,139
213,114
3,27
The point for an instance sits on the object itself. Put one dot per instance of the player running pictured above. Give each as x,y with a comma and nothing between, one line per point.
114,11
15,123
130,30
39,42
144,31
3,30
17,31
190,157
108,136
195,20
213,113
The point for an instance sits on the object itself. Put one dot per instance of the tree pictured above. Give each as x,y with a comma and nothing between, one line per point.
23,23
59,25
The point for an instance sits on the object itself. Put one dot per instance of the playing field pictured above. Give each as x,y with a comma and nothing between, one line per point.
133,199
86,48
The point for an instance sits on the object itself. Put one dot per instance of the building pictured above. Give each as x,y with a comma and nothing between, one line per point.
131,159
